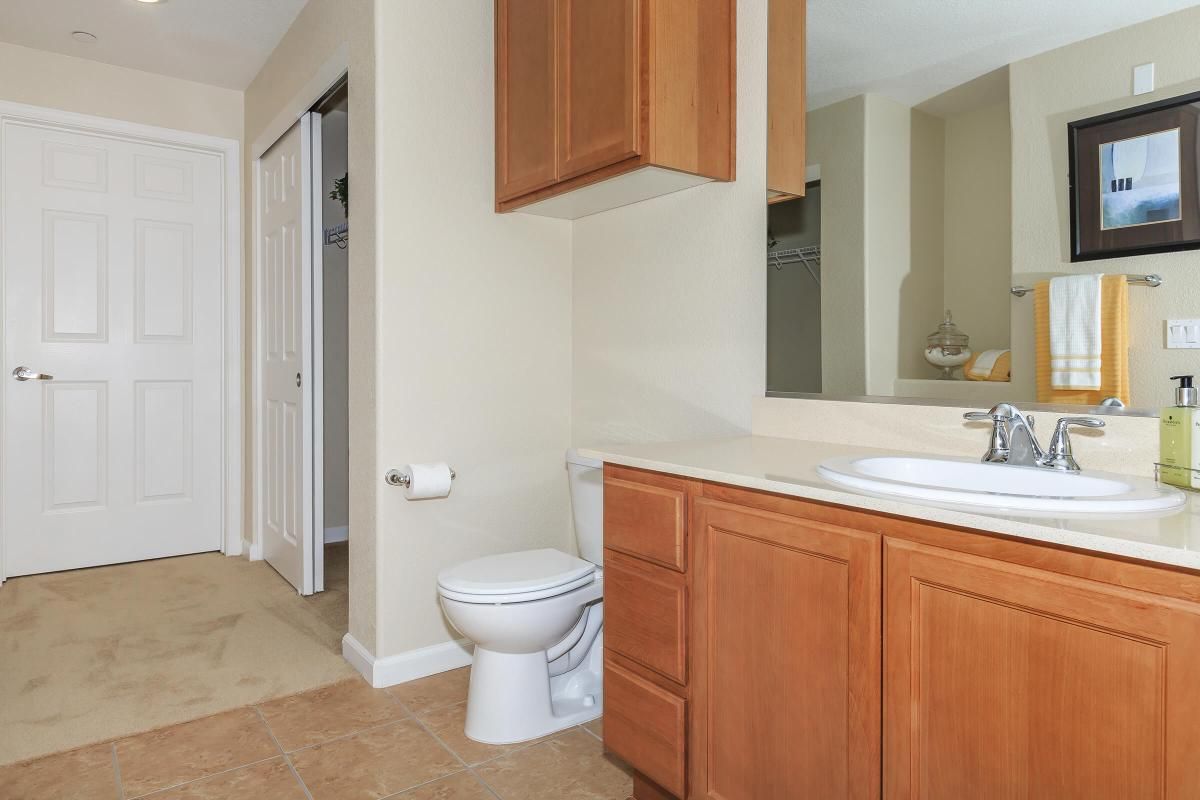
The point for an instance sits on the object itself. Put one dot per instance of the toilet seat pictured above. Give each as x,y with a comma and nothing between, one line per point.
515,577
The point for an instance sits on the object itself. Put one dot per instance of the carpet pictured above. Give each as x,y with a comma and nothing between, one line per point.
95,654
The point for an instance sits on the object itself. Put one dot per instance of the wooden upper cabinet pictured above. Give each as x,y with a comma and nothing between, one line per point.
598,87
786,106
641,101
525,96
1005,681
785,657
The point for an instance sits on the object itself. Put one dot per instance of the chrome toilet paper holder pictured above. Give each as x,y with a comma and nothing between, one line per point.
395,477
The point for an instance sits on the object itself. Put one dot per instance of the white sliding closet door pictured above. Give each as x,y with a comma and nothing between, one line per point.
288,177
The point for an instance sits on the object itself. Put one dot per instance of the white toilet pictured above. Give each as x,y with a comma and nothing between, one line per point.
536,619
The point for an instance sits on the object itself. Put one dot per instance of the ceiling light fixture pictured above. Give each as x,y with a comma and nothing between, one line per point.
83,36
150,1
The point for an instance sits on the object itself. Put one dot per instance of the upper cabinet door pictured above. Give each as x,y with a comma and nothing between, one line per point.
599,93
525,96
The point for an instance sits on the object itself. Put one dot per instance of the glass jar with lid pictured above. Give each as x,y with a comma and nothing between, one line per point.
946,348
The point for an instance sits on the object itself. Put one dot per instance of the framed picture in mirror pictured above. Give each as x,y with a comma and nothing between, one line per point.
1134,184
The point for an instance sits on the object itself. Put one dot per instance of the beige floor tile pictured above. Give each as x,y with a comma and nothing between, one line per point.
443,689
460,786
267,780
322,714
596,726
374,764
568,767
447,724
86,772
193,750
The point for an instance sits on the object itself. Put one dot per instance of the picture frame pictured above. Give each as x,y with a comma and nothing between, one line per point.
1135,180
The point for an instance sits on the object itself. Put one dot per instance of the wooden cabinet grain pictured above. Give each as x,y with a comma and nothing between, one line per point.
811,650
525,95
635,86
1005,681
786,667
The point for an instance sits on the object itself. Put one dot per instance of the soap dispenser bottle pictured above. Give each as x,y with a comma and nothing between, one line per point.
1177,432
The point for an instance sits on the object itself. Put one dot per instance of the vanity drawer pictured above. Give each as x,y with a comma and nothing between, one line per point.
645,614
645,515
645,725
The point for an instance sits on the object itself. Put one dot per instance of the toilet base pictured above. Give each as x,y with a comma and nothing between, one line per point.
513,698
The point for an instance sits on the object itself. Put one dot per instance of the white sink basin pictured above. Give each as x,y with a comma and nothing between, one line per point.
1000,487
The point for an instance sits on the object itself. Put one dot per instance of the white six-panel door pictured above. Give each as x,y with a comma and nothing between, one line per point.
113,259
285,240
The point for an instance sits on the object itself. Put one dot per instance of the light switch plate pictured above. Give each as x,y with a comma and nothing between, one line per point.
1143,78
1183,334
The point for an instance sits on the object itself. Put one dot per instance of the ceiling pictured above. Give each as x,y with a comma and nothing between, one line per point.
219,42
913,50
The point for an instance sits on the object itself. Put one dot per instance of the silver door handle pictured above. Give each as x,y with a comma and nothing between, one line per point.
26,374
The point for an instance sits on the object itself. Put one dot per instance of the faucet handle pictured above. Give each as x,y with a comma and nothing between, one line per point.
1058,452
998,447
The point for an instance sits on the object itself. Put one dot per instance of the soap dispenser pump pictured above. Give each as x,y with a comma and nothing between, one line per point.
1177,434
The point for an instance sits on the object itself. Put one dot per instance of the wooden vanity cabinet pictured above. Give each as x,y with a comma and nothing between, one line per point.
785,701
1007,681
799,650
588,91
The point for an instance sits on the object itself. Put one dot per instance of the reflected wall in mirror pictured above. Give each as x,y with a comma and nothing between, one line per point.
938,180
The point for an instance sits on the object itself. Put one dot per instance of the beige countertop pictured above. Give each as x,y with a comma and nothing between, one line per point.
789,466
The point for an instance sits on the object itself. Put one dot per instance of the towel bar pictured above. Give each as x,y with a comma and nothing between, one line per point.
1153,281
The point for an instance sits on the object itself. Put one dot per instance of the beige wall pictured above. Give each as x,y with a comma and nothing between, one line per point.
322,29
670,294
1076,82
474,324
978,223
42,78
836,138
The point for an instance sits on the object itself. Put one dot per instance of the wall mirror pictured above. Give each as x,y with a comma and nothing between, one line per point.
917,248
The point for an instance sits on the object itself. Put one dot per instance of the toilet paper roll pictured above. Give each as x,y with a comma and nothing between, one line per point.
427,480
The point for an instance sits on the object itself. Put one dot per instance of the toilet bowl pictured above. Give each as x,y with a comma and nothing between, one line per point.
536,618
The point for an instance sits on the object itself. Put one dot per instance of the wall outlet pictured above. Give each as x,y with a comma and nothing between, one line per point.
1143,78
1183,334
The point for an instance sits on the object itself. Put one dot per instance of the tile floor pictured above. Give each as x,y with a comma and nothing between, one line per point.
341,742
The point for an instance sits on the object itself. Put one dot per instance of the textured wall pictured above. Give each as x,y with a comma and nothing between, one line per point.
474,324
670,294
42,78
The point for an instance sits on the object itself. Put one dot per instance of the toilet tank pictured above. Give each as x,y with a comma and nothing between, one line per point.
586,477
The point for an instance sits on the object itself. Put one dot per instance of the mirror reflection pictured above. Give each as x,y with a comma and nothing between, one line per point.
940,250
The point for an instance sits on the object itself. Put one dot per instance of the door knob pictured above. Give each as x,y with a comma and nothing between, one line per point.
26,374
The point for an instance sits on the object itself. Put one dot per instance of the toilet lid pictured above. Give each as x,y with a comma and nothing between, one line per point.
515,573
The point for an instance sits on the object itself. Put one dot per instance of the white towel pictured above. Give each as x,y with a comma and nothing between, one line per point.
983,366
1075,332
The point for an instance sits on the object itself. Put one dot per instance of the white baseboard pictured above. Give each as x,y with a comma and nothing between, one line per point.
408,666
253,550
341,533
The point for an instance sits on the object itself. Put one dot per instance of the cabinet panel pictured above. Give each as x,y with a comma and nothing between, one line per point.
1005,681
599,92
786,657
644,725
526,145
647,521
645,615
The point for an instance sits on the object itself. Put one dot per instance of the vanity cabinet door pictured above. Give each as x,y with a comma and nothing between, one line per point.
1005,681
785,657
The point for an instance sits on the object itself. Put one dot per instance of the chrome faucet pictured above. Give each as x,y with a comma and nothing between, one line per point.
1014,441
